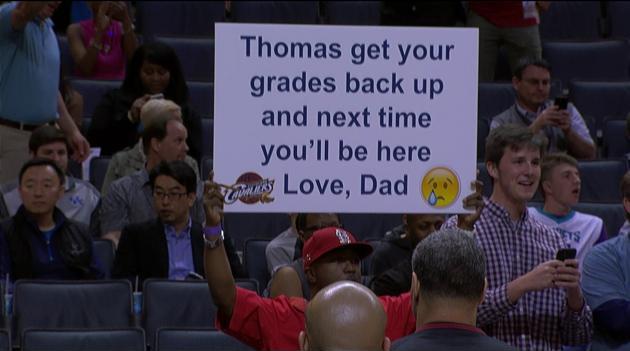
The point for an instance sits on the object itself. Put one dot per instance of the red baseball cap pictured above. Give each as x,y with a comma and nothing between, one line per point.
331,238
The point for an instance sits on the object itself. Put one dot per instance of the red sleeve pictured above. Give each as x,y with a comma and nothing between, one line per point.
400,319
266,324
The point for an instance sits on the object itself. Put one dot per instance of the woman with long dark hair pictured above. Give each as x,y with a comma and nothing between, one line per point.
153,72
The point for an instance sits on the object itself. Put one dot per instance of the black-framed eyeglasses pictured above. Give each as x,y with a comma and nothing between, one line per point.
170,195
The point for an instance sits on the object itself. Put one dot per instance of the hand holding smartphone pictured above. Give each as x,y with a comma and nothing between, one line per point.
566,254
562,102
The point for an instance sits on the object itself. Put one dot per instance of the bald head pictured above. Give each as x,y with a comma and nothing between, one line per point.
345,316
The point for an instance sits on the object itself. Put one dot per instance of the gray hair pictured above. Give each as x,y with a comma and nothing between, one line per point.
450,264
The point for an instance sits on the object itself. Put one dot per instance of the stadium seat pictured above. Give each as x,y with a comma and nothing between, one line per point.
104,250
175,339
93,91
179,18
483,128
196,56
242,226
98,168
249,284
618,14
130,339
206,166
353,12
71,304
566,20
600,99
612,214
176,303
369,225
597,60
255,261
207,136
616,143
297,12
600,180
5,340
494,98
201,97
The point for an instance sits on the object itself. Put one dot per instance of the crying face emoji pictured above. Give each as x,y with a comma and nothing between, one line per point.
440,187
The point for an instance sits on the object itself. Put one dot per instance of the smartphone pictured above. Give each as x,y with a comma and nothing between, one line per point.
562,102
566,254
156,96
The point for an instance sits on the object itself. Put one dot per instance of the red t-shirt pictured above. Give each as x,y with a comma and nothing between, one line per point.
507,13
274,324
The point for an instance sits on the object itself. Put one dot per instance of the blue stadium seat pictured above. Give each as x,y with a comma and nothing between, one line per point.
174,339
71,304
598,60
297,12
618,14
494,98
196,56
369,225
206,166
600,99
130,339
104,251
202,97
600,180
353,12
176,303
249,284
93,91
207,137
255,261
98,168
567,20
242,226
179,18
616,143
612,214
5,340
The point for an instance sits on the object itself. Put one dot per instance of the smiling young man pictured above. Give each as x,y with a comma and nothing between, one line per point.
564,129
560,185
533,302
170,246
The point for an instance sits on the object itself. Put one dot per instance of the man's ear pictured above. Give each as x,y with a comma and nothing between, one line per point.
415,292
626,204
546,186
387,343
303,341
485,287
515,82
155,144
493,172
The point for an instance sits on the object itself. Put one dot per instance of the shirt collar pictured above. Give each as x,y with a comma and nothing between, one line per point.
499,211
528,114
170,231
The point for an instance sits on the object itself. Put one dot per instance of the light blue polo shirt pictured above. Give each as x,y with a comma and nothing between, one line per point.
29,70
606,272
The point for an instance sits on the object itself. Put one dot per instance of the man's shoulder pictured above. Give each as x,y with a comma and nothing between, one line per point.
449,339
132,181
83,186
588,217
507,116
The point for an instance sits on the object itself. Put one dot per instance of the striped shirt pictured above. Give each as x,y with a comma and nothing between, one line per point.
539,320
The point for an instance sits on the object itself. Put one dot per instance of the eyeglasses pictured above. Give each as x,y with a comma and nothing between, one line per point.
534,81
170,195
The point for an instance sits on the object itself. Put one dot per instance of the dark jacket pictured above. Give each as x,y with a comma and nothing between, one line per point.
390,267
28,256
112,131
143,252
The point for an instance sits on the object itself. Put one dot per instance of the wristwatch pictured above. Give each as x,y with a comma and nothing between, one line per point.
213,236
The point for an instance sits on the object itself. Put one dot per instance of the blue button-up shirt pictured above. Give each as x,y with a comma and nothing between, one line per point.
180,260
29,70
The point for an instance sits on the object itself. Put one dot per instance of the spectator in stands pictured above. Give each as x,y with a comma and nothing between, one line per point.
39,242
154,69
513,24
170,246
100,46
606,284
533,301
560,186
330,255
79,200
344,316
72,98
449,281
564,129
283,250
131,160
625,193
291,280
29,93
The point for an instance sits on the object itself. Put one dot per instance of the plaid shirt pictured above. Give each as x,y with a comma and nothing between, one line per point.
539,320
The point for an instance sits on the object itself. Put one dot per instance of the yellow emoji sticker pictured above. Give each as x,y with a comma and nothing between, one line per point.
440,187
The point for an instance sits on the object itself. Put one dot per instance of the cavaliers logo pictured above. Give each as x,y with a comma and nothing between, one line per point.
250,188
